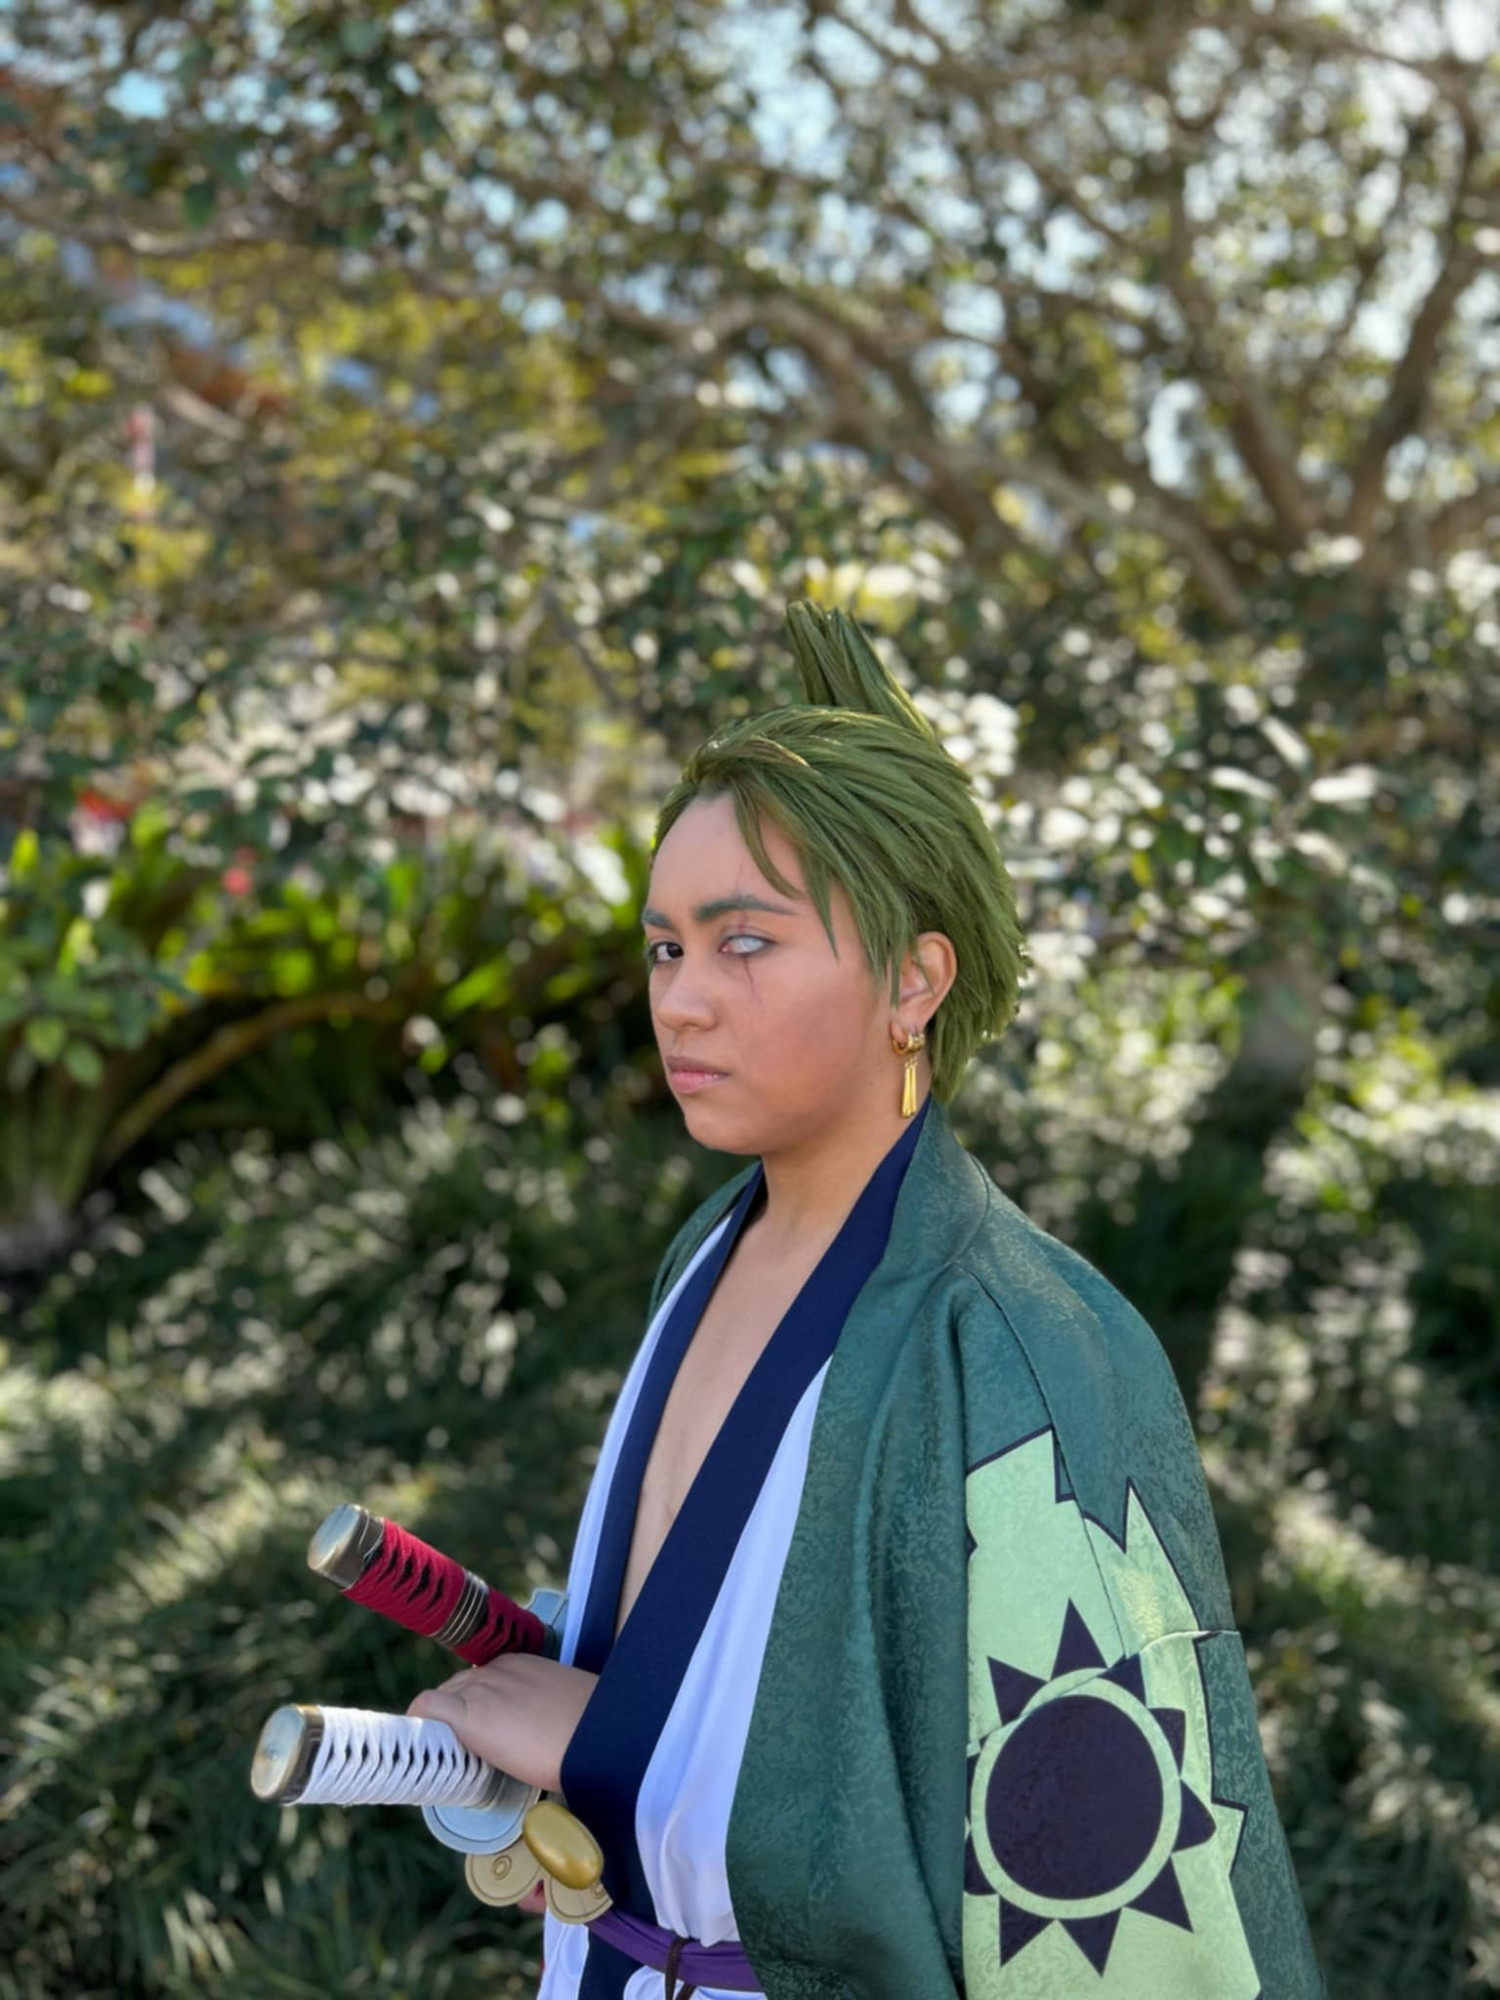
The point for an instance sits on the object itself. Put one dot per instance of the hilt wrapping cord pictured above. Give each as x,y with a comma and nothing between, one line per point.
379,1563
311,1756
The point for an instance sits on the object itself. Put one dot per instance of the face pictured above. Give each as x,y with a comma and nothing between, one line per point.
802,1037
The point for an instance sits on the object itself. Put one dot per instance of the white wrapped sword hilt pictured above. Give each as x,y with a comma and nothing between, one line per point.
311,1756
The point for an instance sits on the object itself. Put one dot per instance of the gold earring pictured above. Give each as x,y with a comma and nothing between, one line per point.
915,1040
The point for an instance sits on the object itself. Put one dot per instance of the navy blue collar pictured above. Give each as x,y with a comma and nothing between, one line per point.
641,1672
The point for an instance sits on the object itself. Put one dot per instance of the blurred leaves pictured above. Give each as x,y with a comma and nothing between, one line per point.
418,1318
169,973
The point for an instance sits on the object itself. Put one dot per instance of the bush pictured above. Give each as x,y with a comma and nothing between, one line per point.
425,1320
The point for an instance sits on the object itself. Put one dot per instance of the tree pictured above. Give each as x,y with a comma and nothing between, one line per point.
1147,354
975,244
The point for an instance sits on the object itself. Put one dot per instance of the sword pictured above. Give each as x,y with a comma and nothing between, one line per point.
377,1563
512,1837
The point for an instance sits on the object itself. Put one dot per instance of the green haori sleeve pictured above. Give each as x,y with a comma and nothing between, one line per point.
1121,1833
1100,1848
1004,1744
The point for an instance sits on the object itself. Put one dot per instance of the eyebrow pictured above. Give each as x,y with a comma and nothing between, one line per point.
706,912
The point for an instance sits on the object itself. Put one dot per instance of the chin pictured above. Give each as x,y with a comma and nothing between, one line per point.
720,1130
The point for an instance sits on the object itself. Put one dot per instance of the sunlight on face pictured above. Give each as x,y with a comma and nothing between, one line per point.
802,1036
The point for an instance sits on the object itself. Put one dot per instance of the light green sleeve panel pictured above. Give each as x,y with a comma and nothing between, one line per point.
1104,1845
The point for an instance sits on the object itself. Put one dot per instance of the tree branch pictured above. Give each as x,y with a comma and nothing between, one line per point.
1179,530
1271,460
1447,73
1265,451
1405,400
114,235
1368,258
1454,523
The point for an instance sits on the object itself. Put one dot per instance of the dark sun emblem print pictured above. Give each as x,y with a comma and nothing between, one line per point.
1093,1825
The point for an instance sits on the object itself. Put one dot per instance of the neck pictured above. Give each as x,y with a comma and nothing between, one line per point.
811,1188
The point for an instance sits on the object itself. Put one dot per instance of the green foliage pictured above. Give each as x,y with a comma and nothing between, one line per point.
393,432
433,1320
129,983
411,432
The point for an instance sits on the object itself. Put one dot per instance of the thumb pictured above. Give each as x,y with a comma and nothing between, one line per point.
437,1705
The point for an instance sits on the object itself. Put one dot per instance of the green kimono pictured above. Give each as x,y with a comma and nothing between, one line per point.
1003,1742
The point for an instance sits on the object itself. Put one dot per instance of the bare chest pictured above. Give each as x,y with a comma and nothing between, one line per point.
747,1305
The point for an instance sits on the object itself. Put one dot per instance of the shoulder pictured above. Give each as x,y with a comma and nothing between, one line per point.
1040,1331
1006,1278
679,1252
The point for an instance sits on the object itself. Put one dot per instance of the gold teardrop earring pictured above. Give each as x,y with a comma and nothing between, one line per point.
915,1040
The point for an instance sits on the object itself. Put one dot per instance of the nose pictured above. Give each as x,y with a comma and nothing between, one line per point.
680,1000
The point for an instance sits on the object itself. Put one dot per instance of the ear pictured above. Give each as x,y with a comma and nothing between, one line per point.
926,976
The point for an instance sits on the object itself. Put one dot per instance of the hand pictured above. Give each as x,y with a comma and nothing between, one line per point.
519,1712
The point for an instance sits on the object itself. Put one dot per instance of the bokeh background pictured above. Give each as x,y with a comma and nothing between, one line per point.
413,421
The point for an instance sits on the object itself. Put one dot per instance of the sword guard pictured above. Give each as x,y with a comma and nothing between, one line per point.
556,1849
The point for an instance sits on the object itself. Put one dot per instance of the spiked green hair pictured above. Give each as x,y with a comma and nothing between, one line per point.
859,782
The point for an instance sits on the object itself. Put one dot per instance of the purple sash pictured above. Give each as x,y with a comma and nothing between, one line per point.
723,1965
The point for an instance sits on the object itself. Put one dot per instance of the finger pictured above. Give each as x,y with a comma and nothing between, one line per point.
464,1678
437,1705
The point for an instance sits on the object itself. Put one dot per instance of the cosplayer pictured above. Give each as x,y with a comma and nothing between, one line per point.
898,1661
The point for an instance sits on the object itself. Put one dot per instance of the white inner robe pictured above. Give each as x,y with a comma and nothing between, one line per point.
682,1809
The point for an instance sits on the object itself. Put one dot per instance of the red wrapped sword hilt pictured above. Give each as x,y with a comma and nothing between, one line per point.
377,1563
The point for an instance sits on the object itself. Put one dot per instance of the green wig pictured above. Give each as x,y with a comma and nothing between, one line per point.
858,781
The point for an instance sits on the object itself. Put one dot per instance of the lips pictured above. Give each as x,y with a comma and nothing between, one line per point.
682,1065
